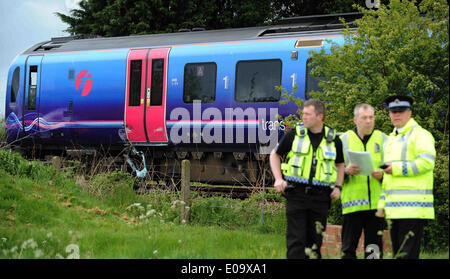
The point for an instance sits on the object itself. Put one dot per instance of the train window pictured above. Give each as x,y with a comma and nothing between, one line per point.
15,84
157,82
200,82
32,88
134,93
256,81
311,83
71,74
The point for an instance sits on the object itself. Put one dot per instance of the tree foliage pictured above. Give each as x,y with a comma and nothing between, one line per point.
126,17
399,49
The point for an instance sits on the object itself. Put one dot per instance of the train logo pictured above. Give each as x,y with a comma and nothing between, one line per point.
87,84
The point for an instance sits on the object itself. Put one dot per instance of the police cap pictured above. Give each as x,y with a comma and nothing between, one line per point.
398,103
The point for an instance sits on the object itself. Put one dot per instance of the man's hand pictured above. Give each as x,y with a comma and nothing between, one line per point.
352,169
279,185
380,213
377,174
388,170
336,194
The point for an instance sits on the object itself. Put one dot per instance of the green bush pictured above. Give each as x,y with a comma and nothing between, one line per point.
10,162
436,232
2,131
114,188
233,214
14,164
335,213
221,211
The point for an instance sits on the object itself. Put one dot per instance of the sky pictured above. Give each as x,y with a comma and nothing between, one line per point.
24,23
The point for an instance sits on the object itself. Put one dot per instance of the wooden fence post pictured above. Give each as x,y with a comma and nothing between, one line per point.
56,162
185,190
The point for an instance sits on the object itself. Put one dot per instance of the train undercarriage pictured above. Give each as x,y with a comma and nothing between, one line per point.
161,164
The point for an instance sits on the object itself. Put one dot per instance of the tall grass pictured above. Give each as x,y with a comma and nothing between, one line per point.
43,221
2,131
48,213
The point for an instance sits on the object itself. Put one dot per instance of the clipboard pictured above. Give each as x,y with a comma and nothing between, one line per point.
363,160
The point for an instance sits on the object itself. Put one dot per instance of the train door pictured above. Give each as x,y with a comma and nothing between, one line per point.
145,106
155,112
30,119
134,106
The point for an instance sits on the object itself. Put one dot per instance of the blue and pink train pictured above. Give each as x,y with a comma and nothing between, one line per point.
205,95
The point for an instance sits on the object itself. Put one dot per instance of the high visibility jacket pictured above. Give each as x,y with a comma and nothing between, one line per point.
302,159
362,192
408,192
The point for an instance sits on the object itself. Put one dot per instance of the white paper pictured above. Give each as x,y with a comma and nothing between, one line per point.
363,160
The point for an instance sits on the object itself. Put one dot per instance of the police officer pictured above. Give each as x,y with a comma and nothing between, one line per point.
360,193
407,196
313,175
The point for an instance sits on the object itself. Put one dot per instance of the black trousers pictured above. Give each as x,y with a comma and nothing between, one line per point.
306,212
406,235
353,224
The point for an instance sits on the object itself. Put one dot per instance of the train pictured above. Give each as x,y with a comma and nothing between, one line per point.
209,96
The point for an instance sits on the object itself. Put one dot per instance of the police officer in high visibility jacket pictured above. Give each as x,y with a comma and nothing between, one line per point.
407,195
360,193
310,178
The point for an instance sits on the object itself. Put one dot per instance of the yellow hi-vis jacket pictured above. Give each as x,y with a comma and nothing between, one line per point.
407,193
301,159
362,192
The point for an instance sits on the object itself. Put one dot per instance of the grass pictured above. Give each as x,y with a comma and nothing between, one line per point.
423,255
56,217
2,131
46,213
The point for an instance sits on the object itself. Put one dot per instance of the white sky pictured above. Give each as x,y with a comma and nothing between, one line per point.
24,23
